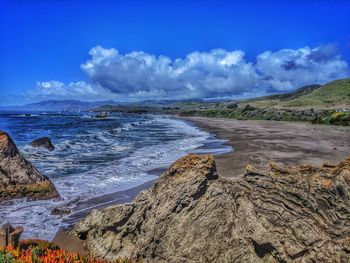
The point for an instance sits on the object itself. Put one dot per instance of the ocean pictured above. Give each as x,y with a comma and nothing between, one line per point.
95,158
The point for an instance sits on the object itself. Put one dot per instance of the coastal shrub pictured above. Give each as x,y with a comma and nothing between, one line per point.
321,117
40,251
337,118
37,243
6,257
40,187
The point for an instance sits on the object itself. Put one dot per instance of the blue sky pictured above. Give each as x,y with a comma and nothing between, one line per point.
86,49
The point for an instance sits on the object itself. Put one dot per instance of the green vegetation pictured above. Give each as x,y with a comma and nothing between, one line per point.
40,251
336,118
39,187
328,104
333,95
6,257
309,115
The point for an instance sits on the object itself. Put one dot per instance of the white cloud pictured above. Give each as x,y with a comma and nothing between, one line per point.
217,73
50,85
199,74
74,90
288,68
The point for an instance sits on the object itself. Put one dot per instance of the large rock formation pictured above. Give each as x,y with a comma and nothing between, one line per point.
298,214
18,178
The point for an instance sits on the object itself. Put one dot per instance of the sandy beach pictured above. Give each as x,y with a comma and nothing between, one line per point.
260,142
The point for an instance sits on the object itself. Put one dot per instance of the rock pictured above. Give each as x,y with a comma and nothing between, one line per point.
291,214
44,142
102,115
18,177
9,236
60,211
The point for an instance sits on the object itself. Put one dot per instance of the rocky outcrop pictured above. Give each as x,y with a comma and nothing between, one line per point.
9,236
18,178
44,142
296,214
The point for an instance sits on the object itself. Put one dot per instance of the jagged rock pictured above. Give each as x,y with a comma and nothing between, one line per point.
291,214
44,142
18,178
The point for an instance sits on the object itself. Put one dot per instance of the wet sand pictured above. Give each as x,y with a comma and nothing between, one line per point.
260,142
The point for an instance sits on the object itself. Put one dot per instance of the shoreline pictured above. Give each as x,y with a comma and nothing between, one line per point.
213,145
258,142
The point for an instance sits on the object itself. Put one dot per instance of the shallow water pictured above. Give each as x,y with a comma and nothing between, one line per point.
95,157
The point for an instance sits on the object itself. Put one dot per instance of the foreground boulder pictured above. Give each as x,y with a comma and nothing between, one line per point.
44,142
18,178
298,214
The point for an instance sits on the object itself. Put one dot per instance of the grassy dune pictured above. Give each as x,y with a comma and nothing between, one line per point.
334,95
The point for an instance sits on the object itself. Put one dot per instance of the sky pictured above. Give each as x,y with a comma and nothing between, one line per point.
139,50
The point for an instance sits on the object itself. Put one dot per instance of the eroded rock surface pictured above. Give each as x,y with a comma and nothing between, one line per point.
18,178
297,214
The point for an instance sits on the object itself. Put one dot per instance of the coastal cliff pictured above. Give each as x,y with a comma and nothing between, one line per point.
18,177
191,214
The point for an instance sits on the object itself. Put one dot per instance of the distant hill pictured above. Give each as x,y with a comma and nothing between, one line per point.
59,105
333,95
327,104
77,105
292,95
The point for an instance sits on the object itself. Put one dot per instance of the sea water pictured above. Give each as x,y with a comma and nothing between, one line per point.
94,157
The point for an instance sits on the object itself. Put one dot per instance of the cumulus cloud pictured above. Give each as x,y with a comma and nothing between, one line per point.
288,68
199,74
217,73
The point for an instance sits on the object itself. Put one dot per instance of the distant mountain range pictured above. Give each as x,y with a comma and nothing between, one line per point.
77,105
59,105
335,94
